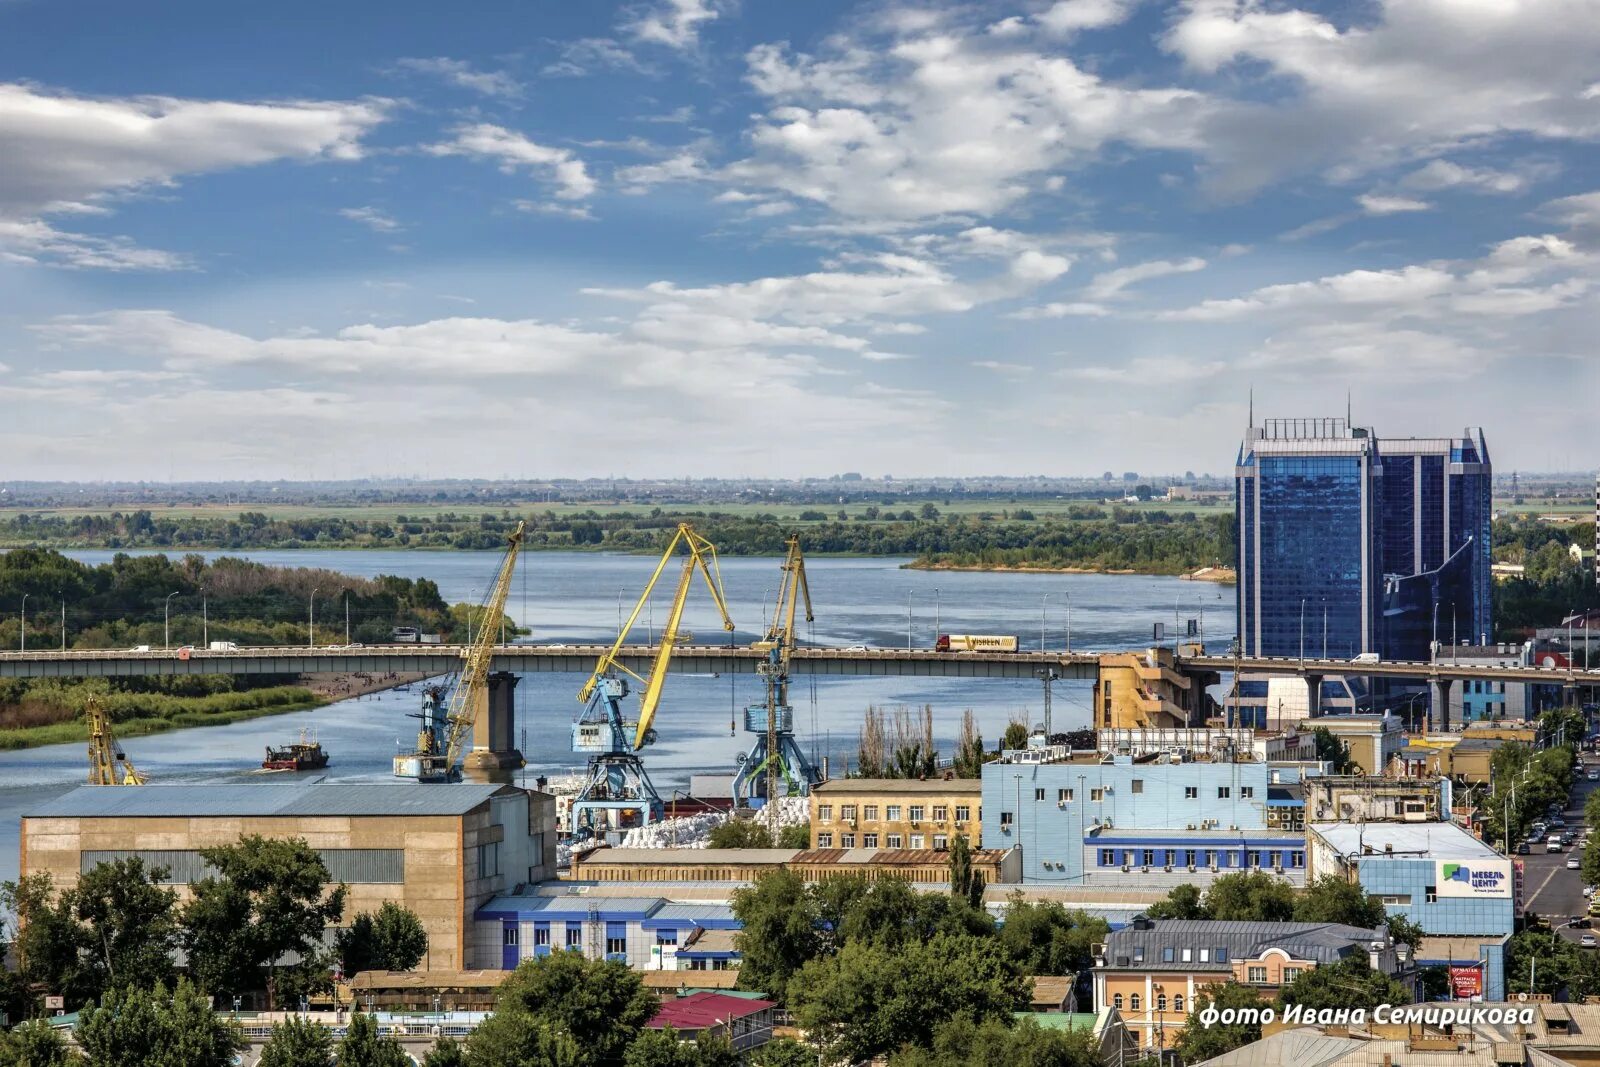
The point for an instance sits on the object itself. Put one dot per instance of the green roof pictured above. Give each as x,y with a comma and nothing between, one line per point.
1058,1020
742,994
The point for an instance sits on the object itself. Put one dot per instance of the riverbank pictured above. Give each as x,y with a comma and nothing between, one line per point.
1220,575
215,710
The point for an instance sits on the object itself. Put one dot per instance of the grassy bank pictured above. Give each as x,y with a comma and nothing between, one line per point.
158,713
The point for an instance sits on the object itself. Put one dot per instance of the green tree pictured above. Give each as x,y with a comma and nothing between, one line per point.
741,833
390,940
363,1046
663,1048
1015,737
1046,938
445,1053
600,1005
1250,896
1331,750
1201,1042
518,1039
130,921
869,999
782,1052
779,930
1331,899
1350,983
965,883
797,835
960,1042
1183,902
270,898
50,944
1404,931
150,1028
297,1042
35,1043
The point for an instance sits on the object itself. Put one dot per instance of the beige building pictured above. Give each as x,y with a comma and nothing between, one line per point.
743,865
895,813
440,850
1146,690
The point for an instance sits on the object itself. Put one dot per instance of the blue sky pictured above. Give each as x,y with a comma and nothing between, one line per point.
707,237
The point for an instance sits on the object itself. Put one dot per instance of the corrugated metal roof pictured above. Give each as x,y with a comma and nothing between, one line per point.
1445,840
835,786
1322,942
233,800
695,856
693,913
575,907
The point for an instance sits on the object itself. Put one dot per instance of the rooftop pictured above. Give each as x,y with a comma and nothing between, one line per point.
237,800
899,785
747,857
1419,839
698,1011
1320,942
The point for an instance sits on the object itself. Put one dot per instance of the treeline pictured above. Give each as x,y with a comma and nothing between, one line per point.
1137,541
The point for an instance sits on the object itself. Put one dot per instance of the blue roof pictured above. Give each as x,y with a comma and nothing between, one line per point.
710,916
233,800
568,908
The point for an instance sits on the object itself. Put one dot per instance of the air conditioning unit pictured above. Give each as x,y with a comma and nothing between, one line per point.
1169,868
1059,804
1144,870
1278,869
1126,867
1191,868
1213,868
1189,827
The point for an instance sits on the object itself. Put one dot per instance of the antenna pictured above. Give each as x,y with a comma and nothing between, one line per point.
1349,423
1252,407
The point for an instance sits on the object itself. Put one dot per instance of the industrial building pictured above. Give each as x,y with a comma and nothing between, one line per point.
1459,890
744,865
442,851
647,933
895,812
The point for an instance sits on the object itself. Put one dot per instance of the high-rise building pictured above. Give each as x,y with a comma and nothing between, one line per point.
1350,543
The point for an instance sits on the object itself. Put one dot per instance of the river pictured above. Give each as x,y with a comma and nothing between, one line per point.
574,597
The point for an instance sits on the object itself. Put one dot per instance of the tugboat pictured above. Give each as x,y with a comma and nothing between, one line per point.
304,755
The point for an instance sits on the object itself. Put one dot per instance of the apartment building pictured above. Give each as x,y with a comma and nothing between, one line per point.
894,813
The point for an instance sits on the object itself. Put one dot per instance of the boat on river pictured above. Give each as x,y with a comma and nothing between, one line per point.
305,754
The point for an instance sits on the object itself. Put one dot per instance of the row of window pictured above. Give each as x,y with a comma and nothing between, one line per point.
825,840
892,812
616,936
1169,954
1097,794
1191,857
1135,1002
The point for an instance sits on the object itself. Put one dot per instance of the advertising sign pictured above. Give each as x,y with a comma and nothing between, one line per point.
1466,983
1477,879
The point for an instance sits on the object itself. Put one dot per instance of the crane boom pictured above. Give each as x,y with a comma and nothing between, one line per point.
105,755
475,665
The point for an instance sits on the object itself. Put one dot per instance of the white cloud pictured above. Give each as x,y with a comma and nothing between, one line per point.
1581,212
1061,310
683,166
1002,367
1440,174
1149,371
513,151
32,241
496,83
1403,289
672,23
371,218
1067,17
587,55
1111,283
1377,204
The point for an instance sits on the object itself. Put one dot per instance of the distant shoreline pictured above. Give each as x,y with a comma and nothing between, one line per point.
1219,575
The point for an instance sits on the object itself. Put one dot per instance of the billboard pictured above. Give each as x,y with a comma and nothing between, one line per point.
1477,879
1466,982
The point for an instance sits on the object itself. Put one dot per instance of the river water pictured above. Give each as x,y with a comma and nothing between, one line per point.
574,597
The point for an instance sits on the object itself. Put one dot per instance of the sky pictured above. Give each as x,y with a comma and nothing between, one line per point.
747,238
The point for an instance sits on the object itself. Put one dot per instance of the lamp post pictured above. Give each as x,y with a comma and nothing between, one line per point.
908,620
24,638
63,600
166,621
1302,633
311,618
1324,628
347,617
1044,600
1068,597
763,616
619,614
935,615
205,622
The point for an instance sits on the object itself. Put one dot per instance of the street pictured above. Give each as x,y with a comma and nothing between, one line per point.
1550,889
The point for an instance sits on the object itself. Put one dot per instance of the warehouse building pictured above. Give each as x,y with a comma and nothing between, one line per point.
895,813
443,851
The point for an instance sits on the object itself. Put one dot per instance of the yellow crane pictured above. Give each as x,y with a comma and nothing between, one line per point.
108,764
436,761
617,792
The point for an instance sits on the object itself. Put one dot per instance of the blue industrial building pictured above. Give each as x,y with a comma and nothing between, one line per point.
644,932
1117,821
1459,890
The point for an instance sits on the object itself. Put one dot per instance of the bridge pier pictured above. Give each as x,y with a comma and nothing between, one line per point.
1313,696
1441,703
494,725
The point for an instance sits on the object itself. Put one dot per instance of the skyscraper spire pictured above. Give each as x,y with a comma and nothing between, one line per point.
1252,407
1349,422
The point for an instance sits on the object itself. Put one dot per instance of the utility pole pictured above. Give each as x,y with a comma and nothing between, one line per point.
24,645
205,622
166,621
1044,601
311,619
347,617
63,620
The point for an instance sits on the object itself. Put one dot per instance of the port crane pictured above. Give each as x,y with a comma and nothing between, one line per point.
108,764
617,792
447,722
775,756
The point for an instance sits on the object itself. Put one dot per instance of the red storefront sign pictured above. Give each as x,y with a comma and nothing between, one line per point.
1466,983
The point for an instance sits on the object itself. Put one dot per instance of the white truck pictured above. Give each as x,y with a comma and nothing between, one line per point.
223,646
975,643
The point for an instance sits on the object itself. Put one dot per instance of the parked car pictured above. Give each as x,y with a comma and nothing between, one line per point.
1572,863
1553,846
1587,941
1522,848
1593,775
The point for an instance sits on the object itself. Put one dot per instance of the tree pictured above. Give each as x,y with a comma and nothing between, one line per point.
964,881
1183,902
297,1042
782,1052
1331,899
445,1053
1250,895
796,835
49,945
391,940
969,757
869,999
600,1005
1331,750
1015,737
741,833
149,1028
517,1039
363,1046
1404,931
780,930
663,1048
1046,938
960,1042
1350,983
270,898
35,1043
1201,1042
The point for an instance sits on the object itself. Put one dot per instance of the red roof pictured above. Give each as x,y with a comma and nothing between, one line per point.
698,1011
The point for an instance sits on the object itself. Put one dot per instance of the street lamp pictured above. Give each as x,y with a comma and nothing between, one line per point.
60,596
1044,600
166,620
24,646
909,595
935,615
1068,597
1302,633
311,618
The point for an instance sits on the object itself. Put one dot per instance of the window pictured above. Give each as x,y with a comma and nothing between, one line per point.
1223,792
1188,857
1038,794
574,935
1133,1001
1063,796
1291,973
1297,859
847,812
1166,954
941,842
941,813
1097,795
870,812
892,813
1396,898
541,933
1247,792
1108,857
1254,858
666,937
1116,1001
1138,786
1191,792
869,840
847,840
1149,857
963,813
824,812
1211,857
1177,1002
489,860
916,812
1138,953
510,934
1188,955
616,939
1205,955
1161,1002
1256,975
1222,954
1430,894
1005,819
824,840
916,840
893,841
